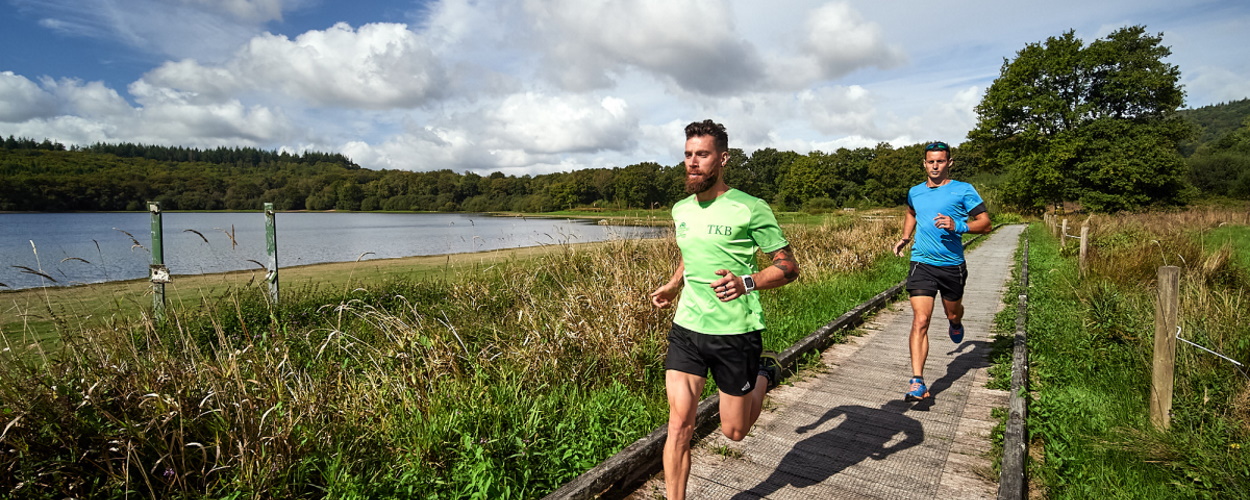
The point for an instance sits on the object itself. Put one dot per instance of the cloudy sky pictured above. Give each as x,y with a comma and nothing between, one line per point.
530,86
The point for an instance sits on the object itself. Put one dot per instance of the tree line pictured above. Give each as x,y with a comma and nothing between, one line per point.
1099,124
98,178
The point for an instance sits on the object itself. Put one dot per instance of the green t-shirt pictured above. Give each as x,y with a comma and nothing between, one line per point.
722,234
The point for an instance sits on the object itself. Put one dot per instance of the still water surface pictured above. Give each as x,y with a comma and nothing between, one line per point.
95,247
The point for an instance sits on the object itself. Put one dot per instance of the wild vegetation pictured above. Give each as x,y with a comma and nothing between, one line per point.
1091,344
503,382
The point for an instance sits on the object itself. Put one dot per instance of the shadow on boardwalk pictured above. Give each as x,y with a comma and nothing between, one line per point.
976,356
859,437
865,433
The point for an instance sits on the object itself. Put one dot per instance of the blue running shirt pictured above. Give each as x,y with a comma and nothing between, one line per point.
941,247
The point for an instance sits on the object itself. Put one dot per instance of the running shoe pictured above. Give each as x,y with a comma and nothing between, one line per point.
770,368
957,333
917,390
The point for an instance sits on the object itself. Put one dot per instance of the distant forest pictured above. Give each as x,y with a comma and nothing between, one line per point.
1219,155
47,176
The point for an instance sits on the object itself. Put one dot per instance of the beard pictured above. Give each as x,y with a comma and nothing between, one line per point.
698,186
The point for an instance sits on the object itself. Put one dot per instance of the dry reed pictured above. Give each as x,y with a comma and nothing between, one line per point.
222,398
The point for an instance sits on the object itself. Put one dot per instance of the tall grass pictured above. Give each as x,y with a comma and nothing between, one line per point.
504,382
1091,341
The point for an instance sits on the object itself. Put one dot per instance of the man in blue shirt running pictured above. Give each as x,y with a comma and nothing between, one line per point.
947,208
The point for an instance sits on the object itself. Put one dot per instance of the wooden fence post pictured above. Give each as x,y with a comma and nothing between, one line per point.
1084,248
157,272
1063,235
1166,312
271,247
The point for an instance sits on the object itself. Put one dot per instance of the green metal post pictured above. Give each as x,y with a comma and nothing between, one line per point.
159,274
271,246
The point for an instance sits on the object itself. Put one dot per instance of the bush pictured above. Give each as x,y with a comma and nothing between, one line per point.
819,205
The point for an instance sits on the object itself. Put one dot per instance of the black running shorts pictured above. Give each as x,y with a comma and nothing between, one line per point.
928,280
734,360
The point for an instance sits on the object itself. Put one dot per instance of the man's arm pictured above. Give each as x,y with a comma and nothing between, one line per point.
909,226
784,269
980,223
664,295
976,224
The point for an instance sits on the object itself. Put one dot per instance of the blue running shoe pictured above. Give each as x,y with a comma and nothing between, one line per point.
957,333
917,391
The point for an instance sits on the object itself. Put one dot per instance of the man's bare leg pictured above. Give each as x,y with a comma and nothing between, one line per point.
954,311
918,341
739,413
683,391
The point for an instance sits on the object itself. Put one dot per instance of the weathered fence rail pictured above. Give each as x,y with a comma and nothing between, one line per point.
1012,483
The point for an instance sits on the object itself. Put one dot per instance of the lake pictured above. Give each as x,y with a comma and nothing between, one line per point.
77,248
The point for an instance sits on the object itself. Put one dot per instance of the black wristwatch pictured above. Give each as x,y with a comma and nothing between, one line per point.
749,283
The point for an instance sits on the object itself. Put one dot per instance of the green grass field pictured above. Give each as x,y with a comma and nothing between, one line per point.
1091,339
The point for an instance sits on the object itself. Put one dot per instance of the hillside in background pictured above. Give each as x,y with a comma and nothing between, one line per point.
1214,122
1219,164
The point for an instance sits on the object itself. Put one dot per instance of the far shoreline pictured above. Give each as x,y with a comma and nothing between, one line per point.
27,309
305,272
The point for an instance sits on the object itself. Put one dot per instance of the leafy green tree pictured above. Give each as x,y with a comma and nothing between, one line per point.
808,177
1095,123
737,175
1222,167
568,193
767,166
635,186
891,172
243,195
349,196
850,173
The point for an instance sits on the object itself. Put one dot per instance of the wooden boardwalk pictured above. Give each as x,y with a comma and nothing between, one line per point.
844,431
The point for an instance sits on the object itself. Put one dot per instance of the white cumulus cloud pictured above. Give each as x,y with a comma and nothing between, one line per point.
167,114
551,85
22,99
835,41
378,66
91,100
840,110
690,43
509,134
541,124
